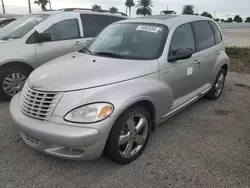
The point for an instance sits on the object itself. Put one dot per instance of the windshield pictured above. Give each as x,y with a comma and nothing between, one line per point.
20,27
130,41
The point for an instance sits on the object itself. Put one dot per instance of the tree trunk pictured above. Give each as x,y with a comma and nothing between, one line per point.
129,12
29,6
44,7
126,10
3,7
50,5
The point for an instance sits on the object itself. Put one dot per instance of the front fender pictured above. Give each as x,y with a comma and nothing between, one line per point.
122,95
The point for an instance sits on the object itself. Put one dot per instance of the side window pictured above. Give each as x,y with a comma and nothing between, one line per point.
116,19
94,24
64,30
205,36
183,37
217,33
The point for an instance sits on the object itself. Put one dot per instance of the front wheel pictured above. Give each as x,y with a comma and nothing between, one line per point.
12,80
129,135
218,86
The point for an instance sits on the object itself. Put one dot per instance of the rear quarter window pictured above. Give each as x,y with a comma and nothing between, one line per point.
217,33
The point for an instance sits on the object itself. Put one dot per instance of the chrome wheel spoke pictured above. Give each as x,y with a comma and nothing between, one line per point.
124,139
140,125
131,125
128,149
22,78
8,88
13,77
6,82
8,79
139,139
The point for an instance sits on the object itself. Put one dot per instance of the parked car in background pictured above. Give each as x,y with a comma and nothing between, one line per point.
36,39
4,22
134,75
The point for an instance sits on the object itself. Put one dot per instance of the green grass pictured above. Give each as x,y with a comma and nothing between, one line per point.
239,58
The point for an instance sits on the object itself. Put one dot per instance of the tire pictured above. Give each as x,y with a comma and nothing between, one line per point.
20,73
212,94
115,147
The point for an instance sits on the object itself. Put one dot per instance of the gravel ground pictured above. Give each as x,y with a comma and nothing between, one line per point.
206,145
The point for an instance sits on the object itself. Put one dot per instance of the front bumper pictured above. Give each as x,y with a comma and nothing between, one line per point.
61,140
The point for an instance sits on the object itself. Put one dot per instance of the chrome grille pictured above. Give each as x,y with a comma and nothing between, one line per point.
38,104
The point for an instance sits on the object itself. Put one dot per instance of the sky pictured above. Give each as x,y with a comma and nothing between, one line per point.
221,8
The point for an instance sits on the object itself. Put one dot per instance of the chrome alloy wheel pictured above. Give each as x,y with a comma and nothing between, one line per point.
219,84
133,135
13,83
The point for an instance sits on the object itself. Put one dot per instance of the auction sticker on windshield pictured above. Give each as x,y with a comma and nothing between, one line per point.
148,28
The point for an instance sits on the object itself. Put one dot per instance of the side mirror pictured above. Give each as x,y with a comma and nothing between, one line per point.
43,37
180,54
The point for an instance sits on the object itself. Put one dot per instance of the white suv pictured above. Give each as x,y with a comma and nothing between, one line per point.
36,39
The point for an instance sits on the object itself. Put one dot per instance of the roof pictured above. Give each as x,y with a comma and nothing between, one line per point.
89,11
167,19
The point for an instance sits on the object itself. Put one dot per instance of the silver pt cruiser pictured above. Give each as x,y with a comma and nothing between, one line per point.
111,95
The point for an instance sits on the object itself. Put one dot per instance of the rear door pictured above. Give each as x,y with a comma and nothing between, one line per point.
93,24
207,51
66,34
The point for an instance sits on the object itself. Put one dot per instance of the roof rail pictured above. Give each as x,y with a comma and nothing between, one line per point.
77,9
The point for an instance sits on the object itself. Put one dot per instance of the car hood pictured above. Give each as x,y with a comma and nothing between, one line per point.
81,71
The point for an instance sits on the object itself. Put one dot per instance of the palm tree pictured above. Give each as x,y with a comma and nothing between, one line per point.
3,7
43,4
129,4
29,6
113,10
96,7
188,9
50,7
144,7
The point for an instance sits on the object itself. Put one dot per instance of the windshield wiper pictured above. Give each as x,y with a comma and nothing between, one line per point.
85,49
109,54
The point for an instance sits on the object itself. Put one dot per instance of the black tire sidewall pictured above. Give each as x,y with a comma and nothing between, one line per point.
7,71
112,147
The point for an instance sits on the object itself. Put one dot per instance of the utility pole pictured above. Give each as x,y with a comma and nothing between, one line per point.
3,7
214,14
196,10
167,7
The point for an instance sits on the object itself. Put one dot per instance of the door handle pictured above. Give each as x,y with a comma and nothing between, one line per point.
218,53
77,43
197,62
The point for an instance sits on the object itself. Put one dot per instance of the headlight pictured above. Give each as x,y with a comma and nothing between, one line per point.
90,113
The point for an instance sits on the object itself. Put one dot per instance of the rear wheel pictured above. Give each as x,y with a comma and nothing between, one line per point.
129,135
12,80
218,86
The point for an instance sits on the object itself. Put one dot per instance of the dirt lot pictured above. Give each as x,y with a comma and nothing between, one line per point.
206,145
237,37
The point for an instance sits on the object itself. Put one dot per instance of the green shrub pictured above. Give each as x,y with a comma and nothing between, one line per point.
239,58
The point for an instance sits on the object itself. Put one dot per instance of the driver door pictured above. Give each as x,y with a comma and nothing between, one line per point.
181,75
